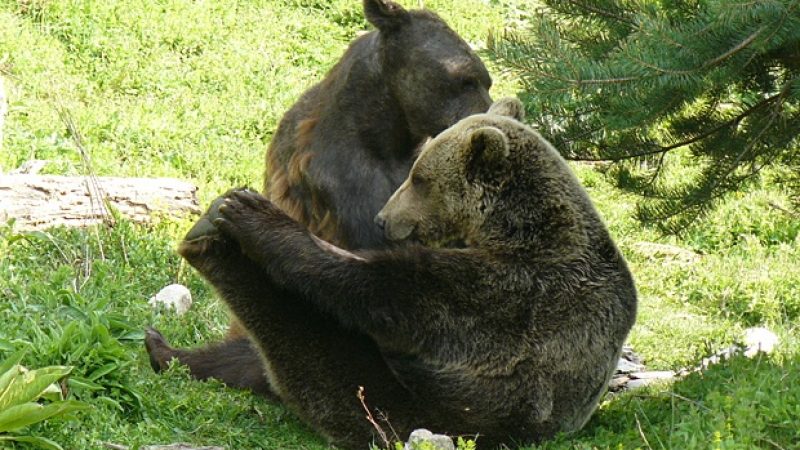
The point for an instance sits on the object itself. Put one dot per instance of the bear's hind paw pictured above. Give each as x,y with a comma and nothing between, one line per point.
158,349
204,227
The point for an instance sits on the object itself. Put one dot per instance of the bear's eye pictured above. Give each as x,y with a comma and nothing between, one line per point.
417,180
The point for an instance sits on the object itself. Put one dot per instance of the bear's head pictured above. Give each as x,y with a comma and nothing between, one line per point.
455,181
431,71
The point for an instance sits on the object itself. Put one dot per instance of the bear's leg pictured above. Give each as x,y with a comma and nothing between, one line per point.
312,363
235,362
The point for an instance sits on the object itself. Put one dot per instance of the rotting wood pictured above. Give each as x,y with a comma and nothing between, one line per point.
37,202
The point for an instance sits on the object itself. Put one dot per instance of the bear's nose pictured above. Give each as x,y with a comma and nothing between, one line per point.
380,221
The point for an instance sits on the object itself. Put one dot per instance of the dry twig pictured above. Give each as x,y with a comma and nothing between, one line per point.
371,418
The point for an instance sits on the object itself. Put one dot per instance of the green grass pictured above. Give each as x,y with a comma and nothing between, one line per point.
193,90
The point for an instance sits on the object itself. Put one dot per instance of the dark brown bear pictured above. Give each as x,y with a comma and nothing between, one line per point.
346,145
507,323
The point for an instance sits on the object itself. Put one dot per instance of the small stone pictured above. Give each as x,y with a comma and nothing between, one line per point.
174,296
627,353
439,441
618,383
759,340
625,366
653,375
638,384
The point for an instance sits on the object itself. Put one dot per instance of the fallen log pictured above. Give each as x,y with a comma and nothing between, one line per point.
37,202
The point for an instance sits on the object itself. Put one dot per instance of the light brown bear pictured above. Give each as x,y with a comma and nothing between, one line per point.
507,323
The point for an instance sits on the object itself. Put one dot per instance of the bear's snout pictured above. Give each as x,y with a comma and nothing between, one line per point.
394,227
380,221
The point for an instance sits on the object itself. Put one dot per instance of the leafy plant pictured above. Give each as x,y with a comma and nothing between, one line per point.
79,331
28,397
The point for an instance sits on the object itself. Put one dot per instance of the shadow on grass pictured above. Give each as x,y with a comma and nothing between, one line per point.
737,404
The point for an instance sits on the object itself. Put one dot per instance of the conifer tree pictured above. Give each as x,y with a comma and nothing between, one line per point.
714,84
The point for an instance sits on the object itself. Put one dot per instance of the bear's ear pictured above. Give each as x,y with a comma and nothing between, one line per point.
385,15
509,107
488,149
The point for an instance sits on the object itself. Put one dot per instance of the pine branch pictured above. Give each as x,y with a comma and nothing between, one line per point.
601,12
735,50
718,81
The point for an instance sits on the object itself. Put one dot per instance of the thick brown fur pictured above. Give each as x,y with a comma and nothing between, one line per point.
507,323
349,141
345,146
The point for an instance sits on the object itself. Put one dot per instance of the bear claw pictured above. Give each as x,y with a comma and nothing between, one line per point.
156,344
205,226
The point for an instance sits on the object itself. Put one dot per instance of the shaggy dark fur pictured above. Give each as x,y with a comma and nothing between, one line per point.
348,143
507,323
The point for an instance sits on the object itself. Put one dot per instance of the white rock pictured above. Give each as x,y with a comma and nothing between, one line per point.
439,441
759,340
174,296
625,366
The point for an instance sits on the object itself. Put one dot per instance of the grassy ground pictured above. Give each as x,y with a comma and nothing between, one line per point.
193,90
